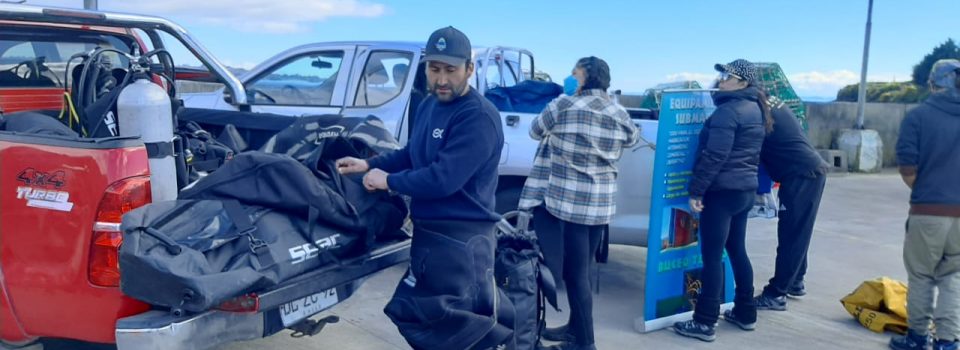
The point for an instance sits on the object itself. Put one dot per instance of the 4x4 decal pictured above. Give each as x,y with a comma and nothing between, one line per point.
32,177
42,189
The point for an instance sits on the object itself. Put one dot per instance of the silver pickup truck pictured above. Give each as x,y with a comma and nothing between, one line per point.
387,79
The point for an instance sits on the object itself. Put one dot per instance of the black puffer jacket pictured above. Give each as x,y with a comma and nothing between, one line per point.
730,142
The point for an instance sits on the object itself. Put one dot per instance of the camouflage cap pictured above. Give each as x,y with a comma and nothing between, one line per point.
944,73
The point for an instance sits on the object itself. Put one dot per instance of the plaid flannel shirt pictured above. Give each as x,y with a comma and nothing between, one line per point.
574,172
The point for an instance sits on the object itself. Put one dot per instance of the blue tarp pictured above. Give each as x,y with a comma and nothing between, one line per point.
529,96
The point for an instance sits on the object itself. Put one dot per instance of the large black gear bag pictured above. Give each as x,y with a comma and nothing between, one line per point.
192,255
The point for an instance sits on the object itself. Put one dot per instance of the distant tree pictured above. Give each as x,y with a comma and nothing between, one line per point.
921,71
906,92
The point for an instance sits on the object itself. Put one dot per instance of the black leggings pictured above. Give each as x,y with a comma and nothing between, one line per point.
569,249
723,224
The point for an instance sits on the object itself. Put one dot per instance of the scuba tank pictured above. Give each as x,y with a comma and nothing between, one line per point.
144,110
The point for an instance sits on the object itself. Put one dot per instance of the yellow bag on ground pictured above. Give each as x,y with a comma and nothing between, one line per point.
879,305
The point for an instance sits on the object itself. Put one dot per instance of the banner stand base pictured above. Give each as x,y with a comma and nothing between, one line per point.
649,326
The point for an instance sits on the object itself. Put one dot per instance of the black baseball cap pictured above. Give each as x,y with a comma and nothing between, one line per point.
448,45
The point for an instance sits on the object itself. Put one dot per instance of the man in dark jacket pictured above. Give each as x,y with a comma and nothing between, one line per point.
448,298
794,163
928,152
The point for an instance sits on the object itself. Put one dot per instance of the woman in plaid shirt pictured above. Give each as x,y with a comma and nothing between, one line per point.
572,185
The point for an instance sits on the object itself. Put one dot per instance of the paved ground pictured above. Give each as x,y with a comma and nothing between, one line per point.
858,237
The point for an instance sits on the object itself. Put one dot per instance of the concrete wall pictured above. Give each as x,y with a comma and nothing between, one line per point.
826,120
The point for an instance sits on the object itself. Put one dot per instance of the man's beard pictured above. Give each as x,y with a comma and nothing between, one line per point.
455,91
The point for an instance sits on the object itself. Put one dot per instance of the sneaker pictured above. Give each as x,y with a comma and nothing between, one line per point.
730,317
911,341
797,291
557,334
946,345
765,302
694,329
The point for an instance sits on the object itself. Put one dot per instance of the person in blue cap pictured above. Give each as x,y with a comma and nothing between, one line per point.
448,298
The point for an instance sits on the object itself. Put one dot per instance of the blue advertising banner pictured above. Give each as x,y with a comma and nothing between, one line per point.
674,262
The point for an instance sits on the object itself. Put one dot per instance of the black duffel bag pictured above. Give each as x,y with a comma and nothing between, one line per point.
192,255
280,182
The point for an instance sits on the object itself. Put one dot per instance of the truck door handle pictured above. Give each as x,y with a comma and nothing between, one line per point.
513,120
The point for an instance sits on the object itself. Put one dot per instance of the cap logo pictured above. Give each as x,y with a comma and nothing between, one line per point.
442,44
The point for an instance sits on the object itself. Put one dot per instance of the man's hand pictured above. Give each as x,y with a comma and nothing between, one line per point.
376,179
909,180
696,204
350,165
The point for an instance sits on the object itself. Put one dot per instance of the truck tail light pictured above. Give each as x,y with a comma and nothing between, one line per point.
244,303
119,198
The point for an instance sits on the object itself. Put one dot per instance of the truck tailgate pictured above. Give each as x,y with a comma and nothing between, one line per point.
159,329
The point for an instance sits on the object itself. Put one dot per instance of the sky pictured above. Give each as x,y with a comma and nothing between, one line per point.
818,43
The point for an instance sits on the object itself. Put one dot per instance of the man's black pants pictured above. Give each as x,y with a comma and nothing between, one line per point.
799,202
448,298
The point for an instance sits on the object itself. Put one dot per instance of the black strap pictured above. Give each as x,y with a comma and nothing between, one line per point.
172,247
548,285
241,219
157,150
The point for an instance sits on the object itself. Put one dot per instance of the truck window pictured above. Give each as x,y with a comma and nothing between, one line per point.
307,80
192,75
384,75
39,59
501,73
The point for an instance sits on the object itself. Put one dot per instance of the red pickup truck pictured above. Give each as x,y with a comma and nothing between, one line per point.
62,200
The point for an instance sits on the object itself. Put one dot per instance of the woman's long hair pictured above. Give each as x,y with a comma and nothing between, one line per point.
764,107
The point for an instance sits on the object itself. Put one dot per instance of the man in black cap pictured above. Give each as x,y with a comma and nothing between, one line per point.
448,298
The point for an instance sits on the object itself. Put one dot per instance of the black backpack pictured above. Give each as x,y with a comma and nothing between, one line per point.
526,280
